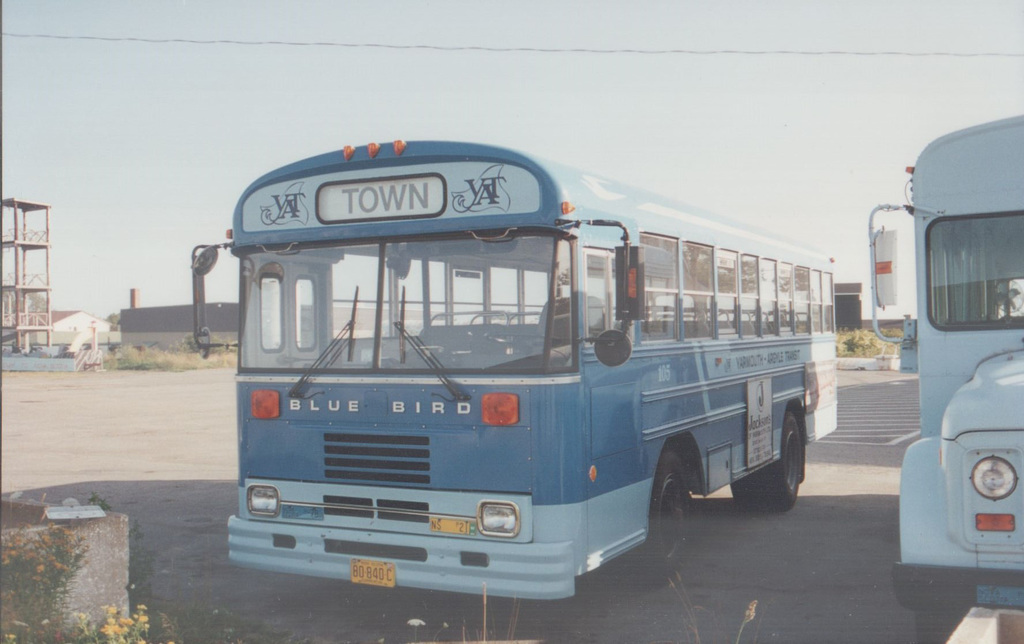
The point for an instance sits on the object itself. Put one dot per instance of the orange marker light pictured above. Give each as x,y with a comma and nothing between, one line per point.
499,409
592,473
567,207
399,147
373,149
230,234
348,151
994,522
265,403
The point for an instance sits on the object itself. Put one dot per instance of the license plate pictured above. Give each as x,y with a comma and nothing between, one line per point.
452,526
373,573
1001,595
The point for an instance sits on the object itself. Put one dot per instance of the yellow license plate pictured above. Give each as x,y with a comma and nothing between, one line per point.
452,526
374,573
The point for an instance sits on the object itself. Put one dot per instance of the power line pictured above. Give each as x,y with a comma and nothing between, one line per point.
539,50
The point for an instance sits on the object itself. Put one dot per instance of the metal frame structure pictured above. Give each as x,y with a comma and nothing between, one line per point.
24,233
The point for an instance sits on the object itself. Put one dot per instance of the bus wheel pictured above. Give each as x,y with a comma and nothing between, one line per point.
670,505
775,488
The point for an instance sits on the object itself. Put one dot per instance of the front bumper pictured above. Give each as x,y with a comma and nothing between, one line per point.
525,570
927,588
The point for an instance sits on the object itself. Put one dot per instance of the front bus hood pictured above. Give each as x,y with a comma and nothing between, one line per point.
992,400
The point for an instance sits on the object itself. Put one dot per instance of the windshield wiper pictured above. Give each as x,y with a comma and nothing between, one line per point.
421,349
330,354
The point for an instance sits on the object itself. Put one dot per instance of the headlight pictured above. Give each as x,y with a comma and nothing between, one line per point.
263,500
497,518
994,478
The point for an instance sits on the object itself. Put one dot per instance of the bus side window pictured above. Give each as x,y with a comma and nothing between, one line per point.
816,310
726,292
748,296
600,292
661,286
785,299
802,300
769,299
698,291
826,287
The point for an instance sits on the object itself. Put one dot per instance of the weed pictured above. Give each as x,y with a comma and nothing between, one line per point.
37,569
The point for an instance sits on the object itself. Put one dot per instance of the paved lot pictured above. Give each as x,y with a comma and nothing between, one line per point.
161,447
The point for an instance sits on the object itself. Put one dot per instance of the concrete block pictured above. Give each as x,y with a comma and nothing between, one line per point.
103,578
987,626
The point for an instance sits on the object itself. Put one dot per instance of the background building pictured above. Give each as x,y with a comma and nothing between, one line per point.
168,327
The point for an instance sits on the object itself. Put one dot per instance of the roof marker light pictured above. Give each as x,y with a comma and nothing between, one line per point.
348,151
373,149
567,207
399,147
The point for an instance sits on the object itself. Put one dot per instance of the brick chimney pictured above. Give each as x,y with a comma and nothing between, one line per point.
136,299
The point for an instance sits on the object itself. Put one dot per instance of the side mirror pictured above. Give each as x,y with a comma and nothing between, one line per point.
613,347
883,270
629,283
204,262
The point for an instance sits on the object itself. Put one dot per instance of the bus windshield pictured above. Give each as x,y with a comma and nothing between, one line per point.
976,272
466,304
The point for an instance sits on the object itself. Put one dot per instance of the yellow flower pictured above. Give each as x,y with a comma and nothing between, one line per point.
143,619
141,607
111,629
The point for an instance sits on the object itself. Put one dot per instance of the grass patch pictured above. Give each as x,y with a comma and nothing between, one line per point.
182,357
863,343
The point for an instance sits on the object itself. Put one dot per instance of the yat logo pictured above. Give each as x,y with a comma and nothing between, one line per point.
485,192
287,208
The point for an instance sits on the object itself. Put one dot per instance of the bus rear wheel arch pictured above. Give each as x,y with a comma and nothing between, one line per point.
775,487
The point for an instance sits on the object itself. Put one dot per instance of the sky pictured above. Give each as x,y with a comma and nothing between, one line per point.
143,149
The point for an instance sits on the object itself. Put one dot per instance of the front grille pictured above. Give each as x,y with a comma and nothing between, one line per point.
376,458
393,510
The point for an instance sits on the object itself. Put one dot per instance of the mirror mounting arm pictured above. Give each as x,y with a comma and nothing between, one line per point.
204,258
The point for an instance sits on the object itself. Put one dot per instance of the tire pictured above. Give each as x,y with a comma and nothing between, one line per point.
775,487
669,511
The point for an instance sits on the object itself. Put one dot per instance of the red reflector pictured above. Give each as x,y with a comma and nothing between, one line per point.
499,409
265,403
348,151
883,268
995,522
373,149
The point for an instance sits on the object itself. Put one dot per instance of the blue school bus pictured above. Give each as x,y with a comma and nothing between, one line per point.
460,365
